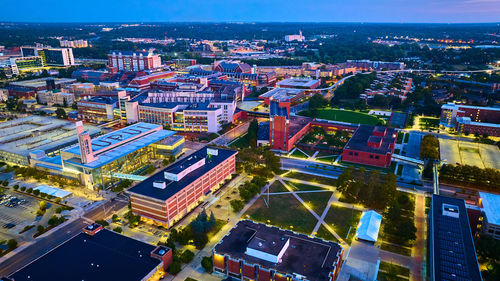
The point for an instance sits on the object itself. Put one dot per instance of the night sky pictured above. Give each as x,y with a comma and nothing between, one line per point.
443,11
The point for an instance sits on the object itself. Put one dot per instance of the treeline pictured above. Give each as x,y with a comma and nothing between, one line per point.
429,148
353,87
247,191
470,175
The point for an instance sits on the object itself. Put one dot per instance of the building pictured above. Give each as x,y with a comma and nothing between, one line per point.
25,63
231,67
51,56
299,83
132,61
295,37
371,145
74,43
144,82
29,88
171,193
490,208
97,109
170,146
374,65
55,97
251,79
452,255
23,138
98,254
285,130
471,119
292,96
254,251
369,226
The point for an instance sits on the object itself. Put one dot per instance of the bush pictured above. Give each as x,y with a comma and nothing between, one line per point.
40,228
237,205
102,222
16,186
12,244
175,267
23,188
114,218
58,200
5,183
43,194
59,210
187,256
118,229
207,264
36,192
43,205
29,190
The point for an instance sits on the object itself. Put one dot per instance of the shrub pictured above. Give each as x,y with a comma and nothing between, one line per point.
36,192
175,267
187,256
40,228
58,200
29,190
207,264
16,186
23,188
102,222
12,244
59,210
118,229
237,205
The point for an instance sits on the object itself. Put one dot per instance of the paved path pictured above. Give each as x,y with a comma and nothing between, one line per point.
325,211
419,247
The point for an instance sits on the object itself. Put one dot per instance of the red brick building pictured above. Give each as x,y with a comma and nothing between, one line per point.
171,193
132,61
254,251
371,145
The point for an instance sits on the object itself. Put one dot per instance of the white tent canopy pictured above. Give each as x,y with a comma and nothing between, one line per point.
369,226
54,191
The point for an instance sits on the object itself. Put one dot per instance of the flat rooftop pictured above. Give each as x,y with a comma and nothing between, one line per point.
491,207
297,123
105,256
453,255
24,135
313,258
41,82
364,133
297,82
282,94
117,144
146,188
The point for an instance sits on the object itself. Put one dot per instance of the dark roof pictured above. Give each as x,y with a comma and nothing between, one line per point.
263,131
146,188
105,256
364,133
100,99
297,123
307,256
453,256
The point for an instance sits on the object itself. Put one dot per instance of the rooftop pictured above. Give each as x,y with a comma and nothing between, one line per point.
364,134
453,256
105,256
297,82
491,207
282,94
41,82
313,258
146,187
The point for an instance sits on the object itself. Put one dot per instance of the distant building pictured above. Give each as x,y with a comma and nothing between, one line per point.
254,251
452,255
299,83
231,67
132,61
50,56
295,37
374,65
98,253
371,145
471,119
55,97
97,109
74,43
25,63
291,96
171,193
143,82
29,88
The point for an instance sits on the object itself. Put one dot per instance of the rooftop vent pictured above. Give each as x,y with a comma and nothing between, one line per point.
450,211
160,184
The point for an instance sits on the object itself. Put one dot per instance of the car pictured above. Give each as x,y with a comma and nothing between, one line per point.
9,225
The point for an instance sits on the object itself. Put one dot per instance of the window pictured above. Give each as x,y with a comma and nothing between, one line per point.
350,152
371,156
377,157
355,154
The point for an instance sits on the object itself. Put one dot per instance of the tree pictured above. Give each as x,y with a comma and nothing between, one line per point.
43,205
429,148
252,133
36,192
187,256
114,218
175,267
12,244
236,205
118,229
207,264
200,240
40,228
5,183
61,113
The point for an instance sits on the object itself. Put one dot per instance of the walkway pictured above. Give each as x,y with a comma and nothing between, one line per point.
419,249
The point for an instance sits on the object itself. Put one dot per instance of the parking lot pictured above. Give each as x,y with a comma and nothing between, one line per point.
469,153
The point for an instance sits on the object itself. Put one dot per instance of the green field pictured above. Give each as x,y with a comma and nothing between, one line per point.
284,211
323,233
241,142
302,186
277,187
311,178
389,271
347,116
316,200
341,219
297,153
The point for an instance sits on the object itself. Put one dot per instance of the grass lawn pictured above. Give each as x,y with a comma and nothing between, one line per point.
400,137
341,219
302,186
323,233
277,187
241,142
328,160
396,249
297,153
311,178
400,170
218,226
347,116
284,211
316,200
389,169
390,271
406,138
429,122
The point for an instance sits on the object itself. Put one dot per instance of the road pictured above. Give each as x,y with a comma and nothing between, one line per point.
53,239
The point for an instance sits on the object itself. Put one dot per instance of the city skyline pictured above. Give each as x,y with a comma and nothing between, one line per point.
426,11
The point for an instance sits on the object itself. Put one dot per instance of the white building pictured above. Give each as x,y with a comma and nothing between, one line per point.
55,98
490,207
295,37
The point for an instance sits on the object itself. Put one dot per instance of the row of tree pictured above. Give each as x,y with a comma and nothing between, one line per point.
429,148
487,178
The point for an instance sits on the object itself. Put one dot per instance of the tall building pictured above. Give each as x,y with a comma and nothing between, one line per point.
133,61
471,119
74,43
171,193
51,56
452,255
285,130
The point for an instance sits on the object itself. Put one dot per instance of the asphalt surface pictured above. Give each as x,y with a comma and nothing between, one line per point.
43,245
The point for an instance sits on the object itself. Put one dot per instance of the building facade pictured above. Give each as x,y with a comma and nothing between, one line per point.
97,109
51,56
471,119
132,61
171,193
55,97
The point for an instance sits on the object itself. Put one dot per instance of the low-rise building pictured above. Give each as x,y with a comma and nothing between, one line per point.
97,109
171,193
254,251
490,208
471,119
299,83
55,97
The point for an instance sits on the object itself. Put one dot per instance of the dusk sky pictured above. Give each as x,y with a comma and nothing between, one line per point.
447,11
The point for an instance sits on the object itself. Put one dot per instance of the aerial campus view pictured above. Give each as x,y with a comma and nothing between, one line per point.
250,140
